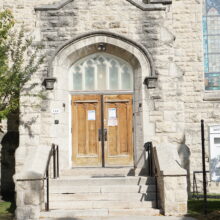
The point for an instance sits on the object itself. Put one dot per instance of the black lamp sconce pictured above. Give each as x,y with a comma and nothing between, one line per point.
49,83
150,82
101,47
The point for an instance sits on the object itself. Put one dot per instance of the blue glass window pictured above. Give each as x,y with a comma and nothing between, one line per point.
211,41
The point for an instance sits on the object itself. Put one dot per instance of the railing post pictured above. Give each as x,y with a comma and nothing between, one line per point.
148,148
157,204
152,170
204,167
58,168
151,158
47,179
54,161
55,154
155,174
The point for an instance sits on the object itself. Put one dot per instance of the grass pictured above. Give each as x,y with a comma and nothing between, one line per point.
196,209
6,210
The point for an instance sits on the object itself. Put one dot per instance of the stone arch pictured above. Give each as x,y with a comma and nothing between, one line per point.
83,41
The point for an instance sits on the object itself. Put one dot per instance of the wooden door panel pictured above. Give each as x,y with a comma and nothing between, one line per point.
119,144
112,141
86,113
123,123
81,127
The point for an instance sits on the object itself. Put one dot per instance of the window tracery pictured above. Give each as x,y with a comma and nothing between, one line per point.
101,71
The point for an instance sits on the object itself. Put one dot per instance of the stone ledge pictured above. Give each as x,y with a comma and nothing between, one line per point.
35,164
157,6
168,161
161,1
211,96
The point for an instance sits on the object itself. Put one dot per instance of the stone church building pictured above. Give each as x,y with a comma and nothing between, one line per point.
117,74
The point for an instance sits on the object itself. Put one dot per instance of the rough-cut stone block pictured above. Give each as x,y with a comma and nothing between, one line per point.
165,127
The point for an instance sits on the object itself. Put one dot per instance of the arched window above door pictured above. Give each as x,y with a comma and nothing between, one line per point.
101,71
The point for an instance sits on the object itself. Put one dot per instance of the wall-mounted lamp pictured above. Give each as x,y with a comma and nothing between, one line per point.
49,83
151,82
101,47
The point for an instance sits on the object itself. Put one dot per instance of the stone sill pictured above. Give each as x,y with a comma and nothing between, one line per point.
211,96
162,174
161,1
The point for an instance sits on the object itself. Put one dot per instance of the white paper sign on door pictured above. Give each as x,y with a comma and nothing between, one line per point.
112,113
91,115
112,117
112,122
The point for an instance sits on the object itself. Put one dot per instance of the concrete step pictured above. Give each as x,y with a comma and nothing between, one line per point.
104,197
93,172
102,189
79,214
79,181
84,205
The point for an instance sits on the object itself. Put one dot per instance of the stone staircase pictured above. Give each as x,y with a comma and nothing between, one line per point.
81,193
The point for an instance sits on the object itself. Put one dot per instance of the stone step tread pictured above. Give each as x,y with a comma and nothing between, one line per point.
103,196
103,181
57,214
103,189
82,205
105,177
125,171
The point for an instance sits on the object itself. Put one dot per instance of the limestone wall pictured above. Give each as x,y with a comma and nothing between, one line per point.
173,37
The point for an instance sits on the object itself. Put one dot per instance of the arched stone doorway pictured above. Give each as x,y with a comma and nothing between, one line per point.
138,62
102,111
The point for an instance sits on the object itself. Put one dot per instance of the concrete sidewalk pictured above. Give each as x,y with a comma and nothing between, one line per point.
128,218
143,218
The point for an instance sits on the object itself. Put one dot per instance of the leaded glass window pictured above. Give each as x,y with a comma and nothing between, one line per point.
211,37
101,71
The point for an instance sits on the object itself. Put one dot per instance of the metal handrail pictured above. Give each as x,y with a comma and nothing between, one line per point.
152,169
195,186
54,152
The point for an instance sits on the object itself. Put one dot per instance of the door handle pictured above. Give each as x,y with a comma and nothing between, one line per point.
106,134
100,134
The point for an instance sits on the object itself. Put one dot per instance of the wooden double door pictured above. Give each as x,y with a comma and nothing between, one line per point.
102,130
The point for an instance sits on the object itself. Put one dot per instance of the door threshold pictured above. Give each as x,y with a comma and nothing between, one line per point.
119,167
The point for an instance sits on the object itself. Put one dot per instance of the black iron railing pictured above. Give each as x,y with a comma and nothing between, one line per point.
196,193
152,169
54,152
